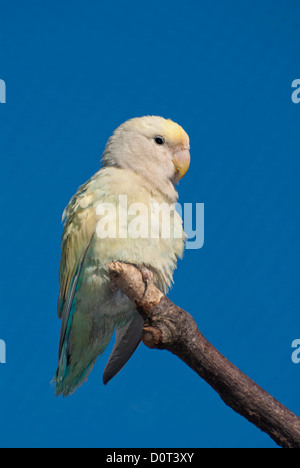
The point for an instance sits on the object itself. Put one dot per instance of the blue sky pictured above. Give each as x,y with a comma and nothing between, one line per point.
223,70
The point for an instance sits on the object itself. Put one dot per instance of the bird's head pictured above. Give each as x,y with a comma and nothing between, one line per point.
154,147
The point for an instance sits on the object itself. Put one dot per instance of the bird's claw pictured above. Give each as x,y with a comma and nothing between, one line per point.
147,275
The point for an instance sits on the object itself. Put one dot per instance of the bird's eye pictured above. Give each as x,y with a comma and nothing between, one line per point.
159,140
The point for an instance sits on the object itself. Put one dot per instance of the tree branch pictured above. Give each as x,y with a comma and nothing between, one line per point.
167,326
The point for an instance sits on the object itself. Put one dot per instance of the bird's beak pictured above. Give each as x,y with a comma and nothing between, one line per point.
181,161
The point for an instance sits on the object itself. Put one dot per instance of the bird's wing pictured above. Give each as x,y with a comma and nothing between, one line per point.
127,340
78,233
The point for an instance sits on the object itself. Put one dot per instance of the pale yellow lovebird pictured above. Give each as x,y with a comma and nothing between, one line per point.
117,216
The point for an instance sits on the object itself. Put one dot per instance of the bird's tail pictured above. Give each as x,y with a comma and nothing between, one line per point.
74,370
67,382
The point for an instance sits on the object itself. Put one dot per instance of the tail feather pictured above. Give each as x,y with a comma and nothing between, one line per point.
73,370
127,340
67,384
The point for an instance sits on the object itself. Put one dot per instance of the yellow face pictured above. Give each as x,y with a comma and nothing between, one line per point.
175,134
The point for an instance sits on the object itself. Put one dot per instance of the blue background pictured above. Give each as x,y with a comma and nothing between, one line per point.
76,70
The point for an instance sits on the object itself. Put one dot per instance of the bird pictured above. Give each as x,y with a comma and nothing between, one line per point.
142,163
